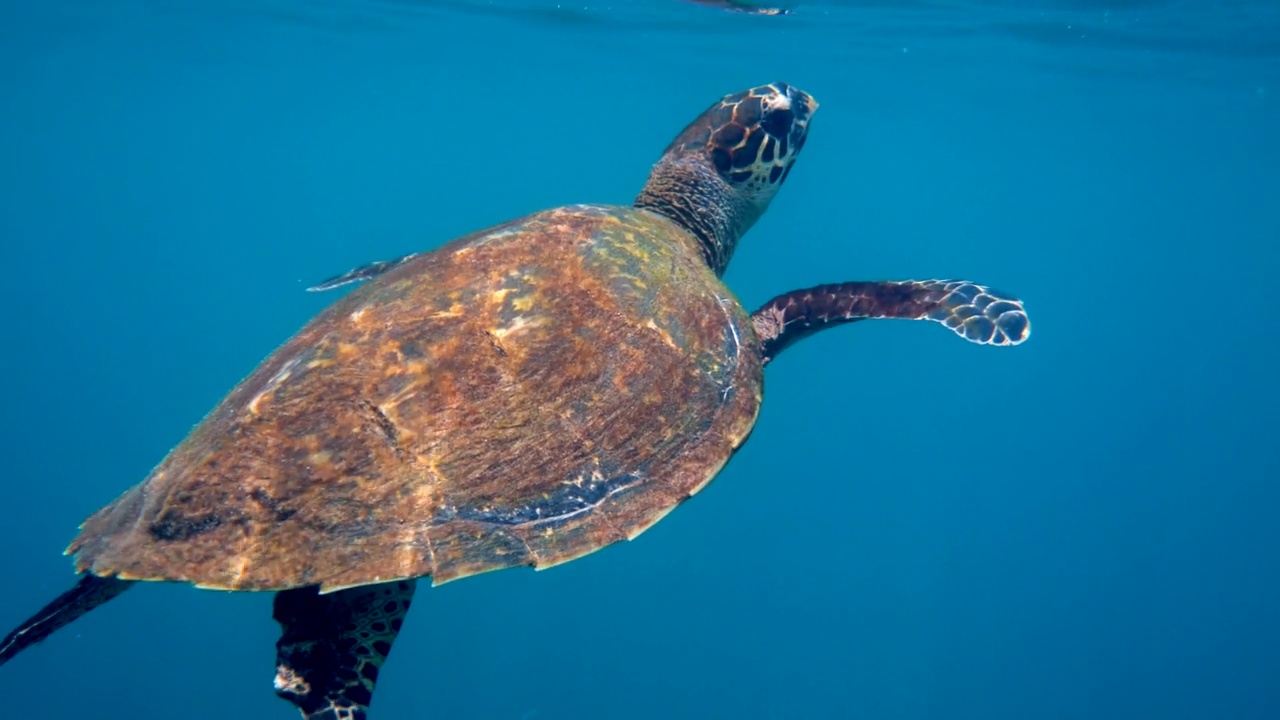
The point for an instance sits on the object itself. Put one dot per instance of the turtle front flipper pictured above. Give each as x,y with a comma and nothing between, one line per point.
974,312
362,273
332,646
88,594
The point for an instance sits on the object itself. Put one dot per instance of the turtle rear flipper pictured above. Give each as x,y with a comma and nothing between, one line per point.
87,594
974,312
332,646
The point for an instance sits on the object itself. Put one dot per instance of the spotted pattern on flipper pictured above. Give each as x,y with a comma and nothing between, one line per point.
362,273
977,313
332,646
974,312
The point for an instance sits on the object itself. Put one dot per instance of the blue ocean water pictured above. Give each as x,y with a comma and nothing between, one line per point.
1082,526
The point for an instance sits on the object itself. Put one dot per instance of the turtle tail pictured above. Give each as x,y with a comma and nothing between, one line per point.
87,594
976,313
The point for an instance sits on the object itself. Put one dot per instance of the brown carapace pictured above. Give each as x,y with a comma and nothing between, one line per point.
524,395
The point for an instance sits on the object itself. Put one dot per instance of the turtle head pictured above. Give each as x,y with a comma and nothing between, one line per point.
719,175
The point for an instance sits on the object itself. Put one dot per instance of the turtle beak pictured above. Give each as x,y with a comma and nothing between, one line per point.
802,103
803,106
804,99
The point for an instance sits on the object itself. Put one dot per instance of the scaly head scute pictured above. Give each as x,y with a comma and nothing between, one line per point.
755,136
719,175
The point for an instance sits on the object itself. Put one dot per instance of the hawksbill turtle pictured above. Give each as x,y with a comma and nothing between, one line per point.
521,396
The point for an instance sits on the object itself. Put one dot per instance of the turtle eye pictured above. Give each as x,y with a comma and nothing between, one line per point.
777,122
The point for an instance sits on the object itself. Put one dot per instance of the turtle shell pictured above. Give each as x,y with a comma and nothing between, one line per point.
521,396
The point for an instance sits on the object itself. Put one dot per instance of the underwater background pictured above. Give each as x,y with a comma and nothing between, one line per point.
1082,526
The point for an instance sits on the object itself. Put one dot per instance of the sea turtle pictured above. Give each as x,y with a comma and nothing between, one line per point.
524,395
